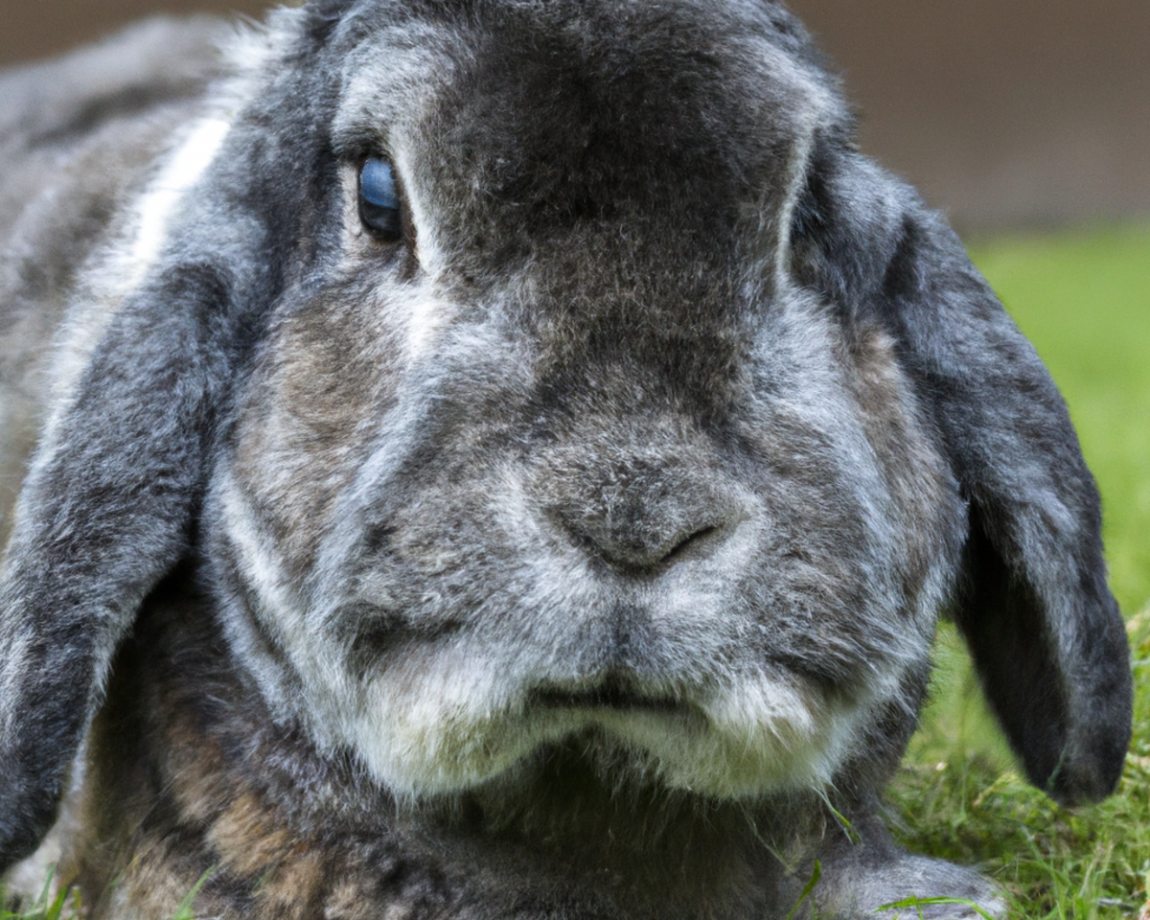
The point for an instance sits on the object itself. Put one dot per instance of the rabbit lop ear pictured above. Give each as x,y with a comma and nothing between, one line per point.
1045,633
103,514
109,504
1043,628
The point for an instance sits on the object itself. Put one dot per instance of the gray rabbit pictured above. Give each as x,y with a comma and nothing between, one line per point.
507,459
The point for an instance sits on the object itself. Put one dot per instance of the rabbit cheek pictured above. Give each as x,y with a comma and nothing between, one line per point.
305,423
860,538
922,489
308,417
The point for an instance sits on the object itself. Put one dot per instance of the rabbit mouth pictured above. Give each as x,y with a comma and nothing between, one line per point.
612,695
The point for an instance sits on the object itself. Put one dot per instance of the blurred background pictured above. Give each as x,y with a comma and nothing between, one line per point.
1006,113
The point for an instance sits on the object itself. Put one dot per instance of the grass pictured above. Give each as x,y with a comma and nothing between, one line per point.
1084,300
62,905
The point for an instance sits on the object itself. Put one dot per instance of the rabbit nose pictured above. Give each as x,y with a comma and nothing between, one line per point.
632,529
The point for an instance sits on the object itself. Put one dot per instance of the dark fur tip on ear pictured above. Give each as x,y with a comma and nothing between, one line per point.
1095,753
22,830
1070,726
31,789
39,665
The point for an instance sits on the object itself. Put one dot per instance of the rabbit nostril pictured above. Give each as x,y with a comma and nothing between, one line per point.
689,542
638,555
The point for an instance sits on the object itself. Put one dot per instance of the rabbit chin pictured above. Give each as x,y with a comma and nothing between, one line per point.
428,732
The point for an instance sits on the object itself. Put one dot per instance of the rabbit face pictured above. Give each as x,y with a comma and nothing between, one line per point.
577,455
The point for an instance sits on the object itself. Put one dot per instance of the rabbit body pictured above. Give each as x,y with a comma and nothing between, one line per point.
508,459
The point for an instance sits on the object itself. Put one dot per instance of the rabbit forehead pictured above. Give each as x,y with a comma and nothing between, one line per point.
638,57
530,117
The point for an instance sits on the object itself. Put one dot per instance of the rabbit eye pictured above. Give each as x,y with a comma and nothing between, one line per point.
379,207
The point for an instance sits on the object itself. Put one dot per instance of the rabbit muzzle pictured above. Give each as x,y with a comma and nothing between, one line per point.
504,547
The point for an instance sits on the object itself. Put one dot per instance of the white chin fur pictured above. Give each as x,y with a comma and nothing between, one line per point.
427,729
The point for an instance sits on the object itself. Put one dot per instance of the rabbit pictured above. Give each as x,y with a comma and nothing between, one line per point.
508,459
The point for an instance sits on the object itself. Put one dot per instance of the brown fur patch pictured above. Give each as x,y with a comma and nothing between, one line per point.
916,476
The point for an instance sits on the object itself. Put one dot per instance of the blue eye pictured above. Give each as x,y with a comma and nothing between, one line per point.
379,201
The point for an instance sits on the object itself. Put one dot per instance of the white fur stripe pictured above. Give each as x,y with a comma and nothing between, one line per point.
159,203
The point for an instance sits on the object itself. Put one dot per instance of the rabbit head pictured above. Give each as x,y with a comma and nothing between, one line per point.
570,450
520,371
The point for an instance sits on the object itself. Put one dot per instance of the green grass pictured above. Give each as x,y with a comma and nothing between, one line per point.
62,905
1084,300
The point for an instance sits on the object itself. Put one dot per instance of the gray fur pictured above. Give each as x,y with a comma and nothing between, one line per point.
619,500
